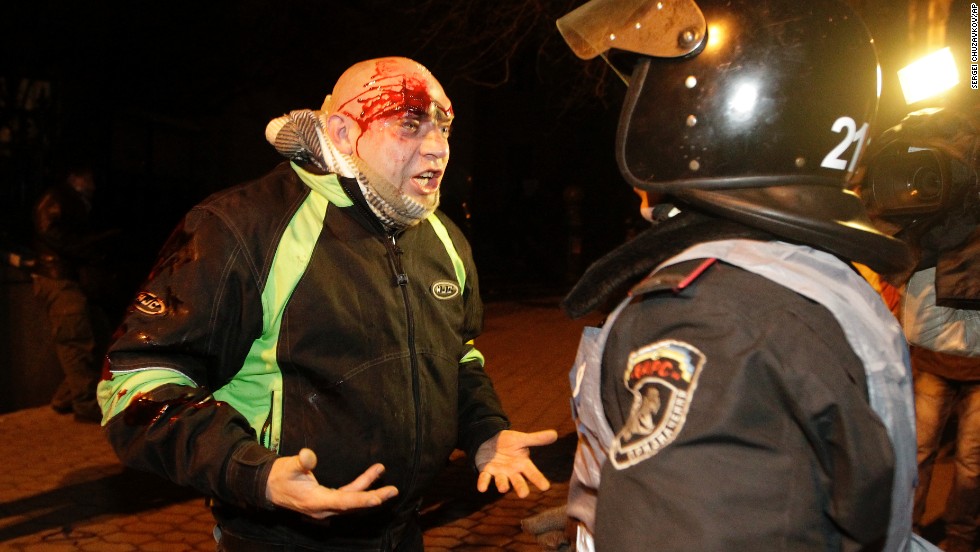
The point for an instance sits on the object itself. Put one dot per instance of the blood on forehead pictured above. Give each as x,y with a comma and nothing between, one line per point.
391,90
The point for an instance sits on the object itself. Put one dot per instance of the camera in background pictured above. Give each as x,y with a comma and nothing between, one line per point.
907,180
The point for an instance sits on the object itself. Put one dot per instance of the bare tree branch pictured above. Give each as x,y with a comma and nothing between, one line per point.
485,43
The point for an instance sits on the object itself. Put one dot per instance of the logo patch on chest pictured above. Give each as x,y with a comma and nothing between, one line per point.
147,303
662,378
444,289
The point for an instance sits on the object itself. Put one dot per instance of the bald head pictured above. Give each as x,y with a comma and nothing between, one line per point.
392,117
378,88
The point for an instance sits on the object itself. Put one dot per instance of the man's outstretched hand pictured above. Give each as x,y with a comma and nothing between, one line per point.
292,485
506,460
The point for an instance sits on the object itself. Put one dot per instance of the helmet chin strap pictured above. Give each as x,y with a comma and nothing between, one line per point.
394,209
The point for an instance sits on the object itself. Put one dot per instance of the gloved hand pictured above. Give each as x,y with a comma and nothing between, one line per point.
550,529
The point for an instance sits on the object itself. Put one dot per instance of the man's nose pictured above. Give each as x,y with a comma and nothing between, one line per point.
435,143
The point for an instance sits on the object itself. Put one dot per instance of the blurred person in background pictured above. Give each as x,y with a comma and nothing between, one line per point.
66,244
922,187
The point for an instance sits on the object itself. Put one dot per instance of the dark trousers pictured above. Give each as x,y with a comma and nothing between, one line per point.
72,329
411,541
936,399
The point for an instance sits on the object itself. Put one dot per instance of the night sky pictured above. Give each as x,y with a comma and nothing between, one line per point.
169,103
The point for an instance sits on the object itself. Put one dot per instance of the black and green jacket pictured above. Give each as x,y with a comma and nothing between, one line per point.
279,316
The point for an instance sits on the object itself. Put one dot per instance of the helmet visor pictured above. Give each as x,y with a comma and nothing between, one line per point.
657,28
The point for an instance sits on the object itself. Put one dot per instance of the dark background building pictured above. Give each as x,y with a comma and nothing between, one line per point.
170,102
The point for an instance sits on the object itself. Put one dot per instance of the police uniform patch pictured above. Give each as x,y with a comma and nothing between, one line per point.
662,377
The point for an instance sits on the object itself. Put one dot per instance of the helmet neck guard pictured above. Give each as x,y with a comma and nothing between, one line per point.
823,217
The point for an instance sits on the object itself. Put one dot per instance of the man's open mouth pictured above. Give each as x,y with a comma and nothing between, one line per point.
427,181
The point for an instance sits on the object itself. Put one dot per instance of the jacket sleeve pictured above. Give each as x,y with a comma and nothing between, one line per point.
775,422
481,415
852,447
185,335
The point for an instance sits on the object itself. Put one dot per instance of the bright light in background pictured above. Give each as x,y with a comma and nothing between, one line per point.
928,76
880,80
716,37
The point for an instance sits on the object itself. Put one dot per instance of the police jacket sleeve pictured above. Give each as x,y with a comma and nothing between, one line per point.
739,400
186,335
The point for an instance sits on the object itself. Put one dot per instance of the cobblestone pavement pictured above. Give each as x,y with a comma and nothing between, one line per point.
62,488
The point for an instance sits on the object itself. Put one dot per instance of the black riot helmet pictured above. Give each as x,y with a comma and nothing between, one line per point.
755,110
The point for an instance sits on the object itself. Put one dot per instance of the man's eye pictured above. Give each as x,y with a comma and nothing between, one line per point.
410,125
445,130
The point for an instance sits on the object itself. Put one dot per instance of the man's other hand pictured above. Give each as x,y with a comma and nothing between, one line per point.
506,460
292,485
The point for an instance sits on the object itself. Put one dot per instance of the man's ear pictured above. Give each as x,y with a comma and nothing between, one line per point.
338,132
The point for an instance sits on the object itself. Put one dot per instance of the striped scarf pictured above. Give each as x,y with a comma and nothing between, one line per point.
300,137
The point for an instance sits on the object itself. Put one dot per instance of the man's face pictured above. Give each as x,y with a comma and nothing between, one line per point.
403,118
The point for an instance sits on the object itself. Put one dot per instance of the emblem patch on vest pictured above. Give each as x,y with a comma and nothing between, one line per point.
662,377
147,303
444,289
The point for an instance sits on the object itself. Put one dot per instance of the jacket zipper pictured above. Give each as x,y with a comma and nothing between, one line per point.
401,280
265,435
